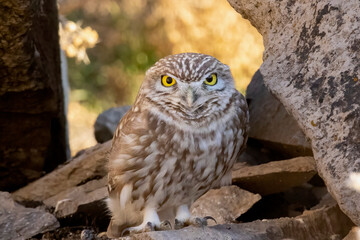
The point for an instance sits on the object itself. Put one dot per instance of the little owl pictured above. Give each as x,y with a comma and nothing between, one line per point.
181,138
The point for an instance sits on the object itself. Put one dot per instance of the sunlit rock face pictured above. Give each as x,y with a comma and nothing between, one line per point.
311,64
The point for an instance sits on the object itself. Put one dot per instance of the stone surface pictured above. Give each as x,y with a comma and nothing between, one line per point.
106,123
87,235
326,221
224,204
274,177
68,202
18,222
354,234
32,117
89,165
271,124
311,64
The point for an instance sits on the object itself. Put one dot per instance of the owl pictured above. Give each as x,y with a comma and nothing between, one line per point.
181,138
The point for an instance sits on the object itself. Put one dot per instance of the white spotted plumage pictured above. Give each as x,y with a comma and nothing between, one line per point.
176,142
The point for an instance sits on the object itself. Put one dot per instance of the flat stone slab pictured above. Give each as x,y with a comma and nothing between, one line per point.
91,164
18,222
68,202
326,221
224,204
274,177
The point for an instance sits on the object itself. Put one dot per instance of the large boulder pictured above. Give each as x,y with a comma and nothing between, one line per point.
311,64
32,117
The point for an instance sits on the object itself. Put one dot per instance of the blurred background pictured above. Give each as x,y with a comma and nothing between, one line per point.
111,43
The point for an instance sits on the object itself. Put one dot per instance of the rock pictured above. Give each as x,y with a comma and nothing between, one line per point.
18,222
66,233
291,203
326,221
69,201
224,204
91,164
274,177
354,234
311,64
271,124
32,117
106,123
88,234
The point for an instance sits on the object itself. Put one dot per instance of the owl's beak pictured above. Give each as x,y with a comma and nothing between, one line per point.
190,97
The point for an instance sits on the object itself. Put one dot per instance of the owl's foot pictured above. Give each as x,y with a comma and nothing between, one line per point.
184,218
193,221
148,227
164,225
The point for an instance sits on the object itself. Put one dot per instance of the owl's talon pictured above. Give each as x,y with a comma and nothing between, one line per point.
164,225
125,231
202,222
210,218
179,224
149,227
195,221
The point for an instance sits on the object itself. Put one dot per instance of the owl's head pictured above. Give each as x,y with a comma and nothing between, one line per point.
190,85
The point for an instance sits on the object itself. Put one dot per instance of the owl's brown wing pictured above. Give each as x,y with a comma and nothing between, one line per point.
130,139
243,115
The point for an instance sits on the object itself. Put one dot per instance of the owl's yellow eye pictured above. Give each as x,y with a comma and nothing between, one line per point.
212,80
167,81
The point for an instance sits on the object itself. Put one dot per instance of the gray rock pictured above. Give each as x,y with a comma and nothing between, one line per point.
325,221
311,64
91,164
271,124
224,204
88,234
107,121
18,222
274,177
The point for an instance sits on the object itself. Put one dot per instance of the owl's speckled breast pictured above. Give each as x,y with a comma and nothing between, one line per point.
192,162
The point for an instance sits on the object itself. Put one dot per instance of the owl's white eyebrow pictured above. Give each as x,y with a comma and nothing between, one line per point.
170,75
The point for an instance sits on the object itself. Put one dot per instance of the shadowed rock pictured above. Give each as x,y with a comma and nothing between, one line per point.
271,124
